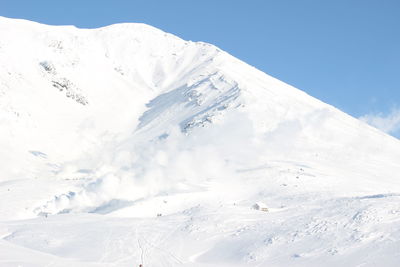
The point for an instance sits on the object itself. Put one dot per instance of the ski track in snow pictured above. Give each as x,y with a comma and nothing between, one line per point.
126,145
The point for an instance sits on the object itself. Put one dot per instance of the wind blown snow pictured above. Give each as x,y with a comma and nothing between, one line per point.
126,145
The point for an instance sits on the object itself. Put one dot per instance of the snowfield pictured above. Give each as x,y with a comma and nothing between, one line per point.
126,145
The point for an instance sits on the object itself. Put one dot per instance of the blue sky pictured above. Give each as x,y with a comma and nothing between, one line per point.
344,52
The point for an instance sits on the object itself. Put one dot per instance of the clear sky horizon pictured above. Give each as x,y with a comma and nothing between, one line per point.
343,52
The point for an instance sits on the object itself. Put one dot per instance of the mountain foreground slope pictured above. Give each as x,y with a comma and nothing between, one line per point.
126,145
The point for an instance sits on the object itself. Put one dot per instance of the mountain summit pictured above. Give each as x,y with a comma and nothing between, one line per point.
126,145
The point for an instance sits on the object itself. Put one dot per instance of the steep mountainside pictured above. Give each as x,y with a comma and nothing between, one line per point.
126,145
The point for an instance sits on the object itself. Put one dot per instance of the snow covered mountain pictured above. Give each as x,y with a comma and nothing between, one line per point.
126,145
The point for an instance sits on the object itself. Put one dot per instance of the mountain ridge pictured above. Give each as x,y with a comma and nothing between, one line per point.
132,129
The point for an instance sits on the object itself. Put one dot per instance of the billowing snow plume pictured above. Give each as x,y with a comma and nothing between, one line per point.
130,121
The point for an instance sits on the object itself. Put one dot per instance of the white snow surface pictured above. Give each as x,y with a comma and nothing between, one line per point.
126,145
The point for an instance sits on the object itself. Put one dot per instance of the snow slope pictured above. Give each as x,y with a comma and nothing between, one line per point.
126,145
